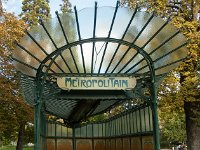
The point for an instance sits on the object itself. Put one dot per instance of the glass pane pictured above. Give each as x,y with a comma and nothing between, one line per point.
128,123
104,129
120,126
132,123
89,130
151,121
150,30
86,25
64,131
138,120
104,23
107,128
121,23
48,129
142,120
111,128
70,27
53,27
95,130
83,131
69,132
58,130
135,122
147,118
77,132
39,34
123,125
114,129
100,130
53,130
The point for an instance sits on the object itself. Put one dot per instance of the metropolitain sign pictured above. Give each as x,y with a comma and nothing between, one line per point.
96,83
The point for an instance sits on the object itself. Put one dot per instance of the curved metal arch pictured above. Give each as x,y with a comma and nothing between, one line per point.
55,53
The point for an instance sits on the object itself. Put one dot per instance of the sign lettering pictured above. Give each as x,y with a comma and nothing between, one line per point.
96,83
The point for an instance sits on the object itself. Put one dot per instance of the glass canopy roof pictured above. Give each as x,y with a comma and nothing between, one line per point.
160,40
104,41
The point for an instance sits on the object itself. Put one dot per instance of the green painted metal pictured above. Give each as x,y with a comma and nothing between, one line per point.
79,36
45,75
94,30
74,138
37,116
155,119
44,129
154,107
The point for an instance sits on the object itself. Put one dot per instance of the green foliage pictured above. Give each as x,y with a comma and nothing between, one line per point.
13,110
11,30
96,118
29,133
33,10
171,111
174,127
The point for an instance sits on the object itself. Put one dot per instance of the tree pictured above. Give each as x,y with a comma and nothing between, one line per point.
172,118
184,14
66,6
14,112
34,10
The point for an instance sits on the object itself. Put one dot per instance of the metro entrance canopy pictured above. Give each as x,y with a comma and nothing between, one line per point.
85,63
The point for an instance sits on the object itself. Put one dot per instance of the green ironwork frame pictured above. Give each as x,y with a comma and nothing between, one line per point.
42,76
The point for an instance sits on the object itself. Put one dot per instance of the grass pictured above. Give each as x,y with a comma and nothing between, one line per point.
14,148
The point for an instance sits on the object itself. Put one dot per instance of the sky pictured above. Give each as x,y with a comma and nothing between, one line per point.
15,5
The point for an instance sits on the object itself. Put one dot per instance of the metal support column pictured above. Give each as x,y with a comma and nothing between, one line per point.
37,115
73,138
37,126
154,107
44,129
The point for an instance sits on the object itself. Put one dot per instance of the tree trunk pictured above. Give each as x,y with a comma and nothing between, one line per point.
192,126
20,137
1,8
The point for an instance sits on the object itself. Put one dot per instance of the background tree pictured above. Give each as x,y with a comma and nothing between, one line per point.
66,6
171,109
184,14
15,114
33,10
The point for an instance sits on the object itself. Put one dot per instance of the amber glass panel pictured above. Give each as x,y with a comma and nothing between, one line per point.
99,144
147,142
126,143
84,144
119,144
50,144
64,144
135,143
108,144
113,144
